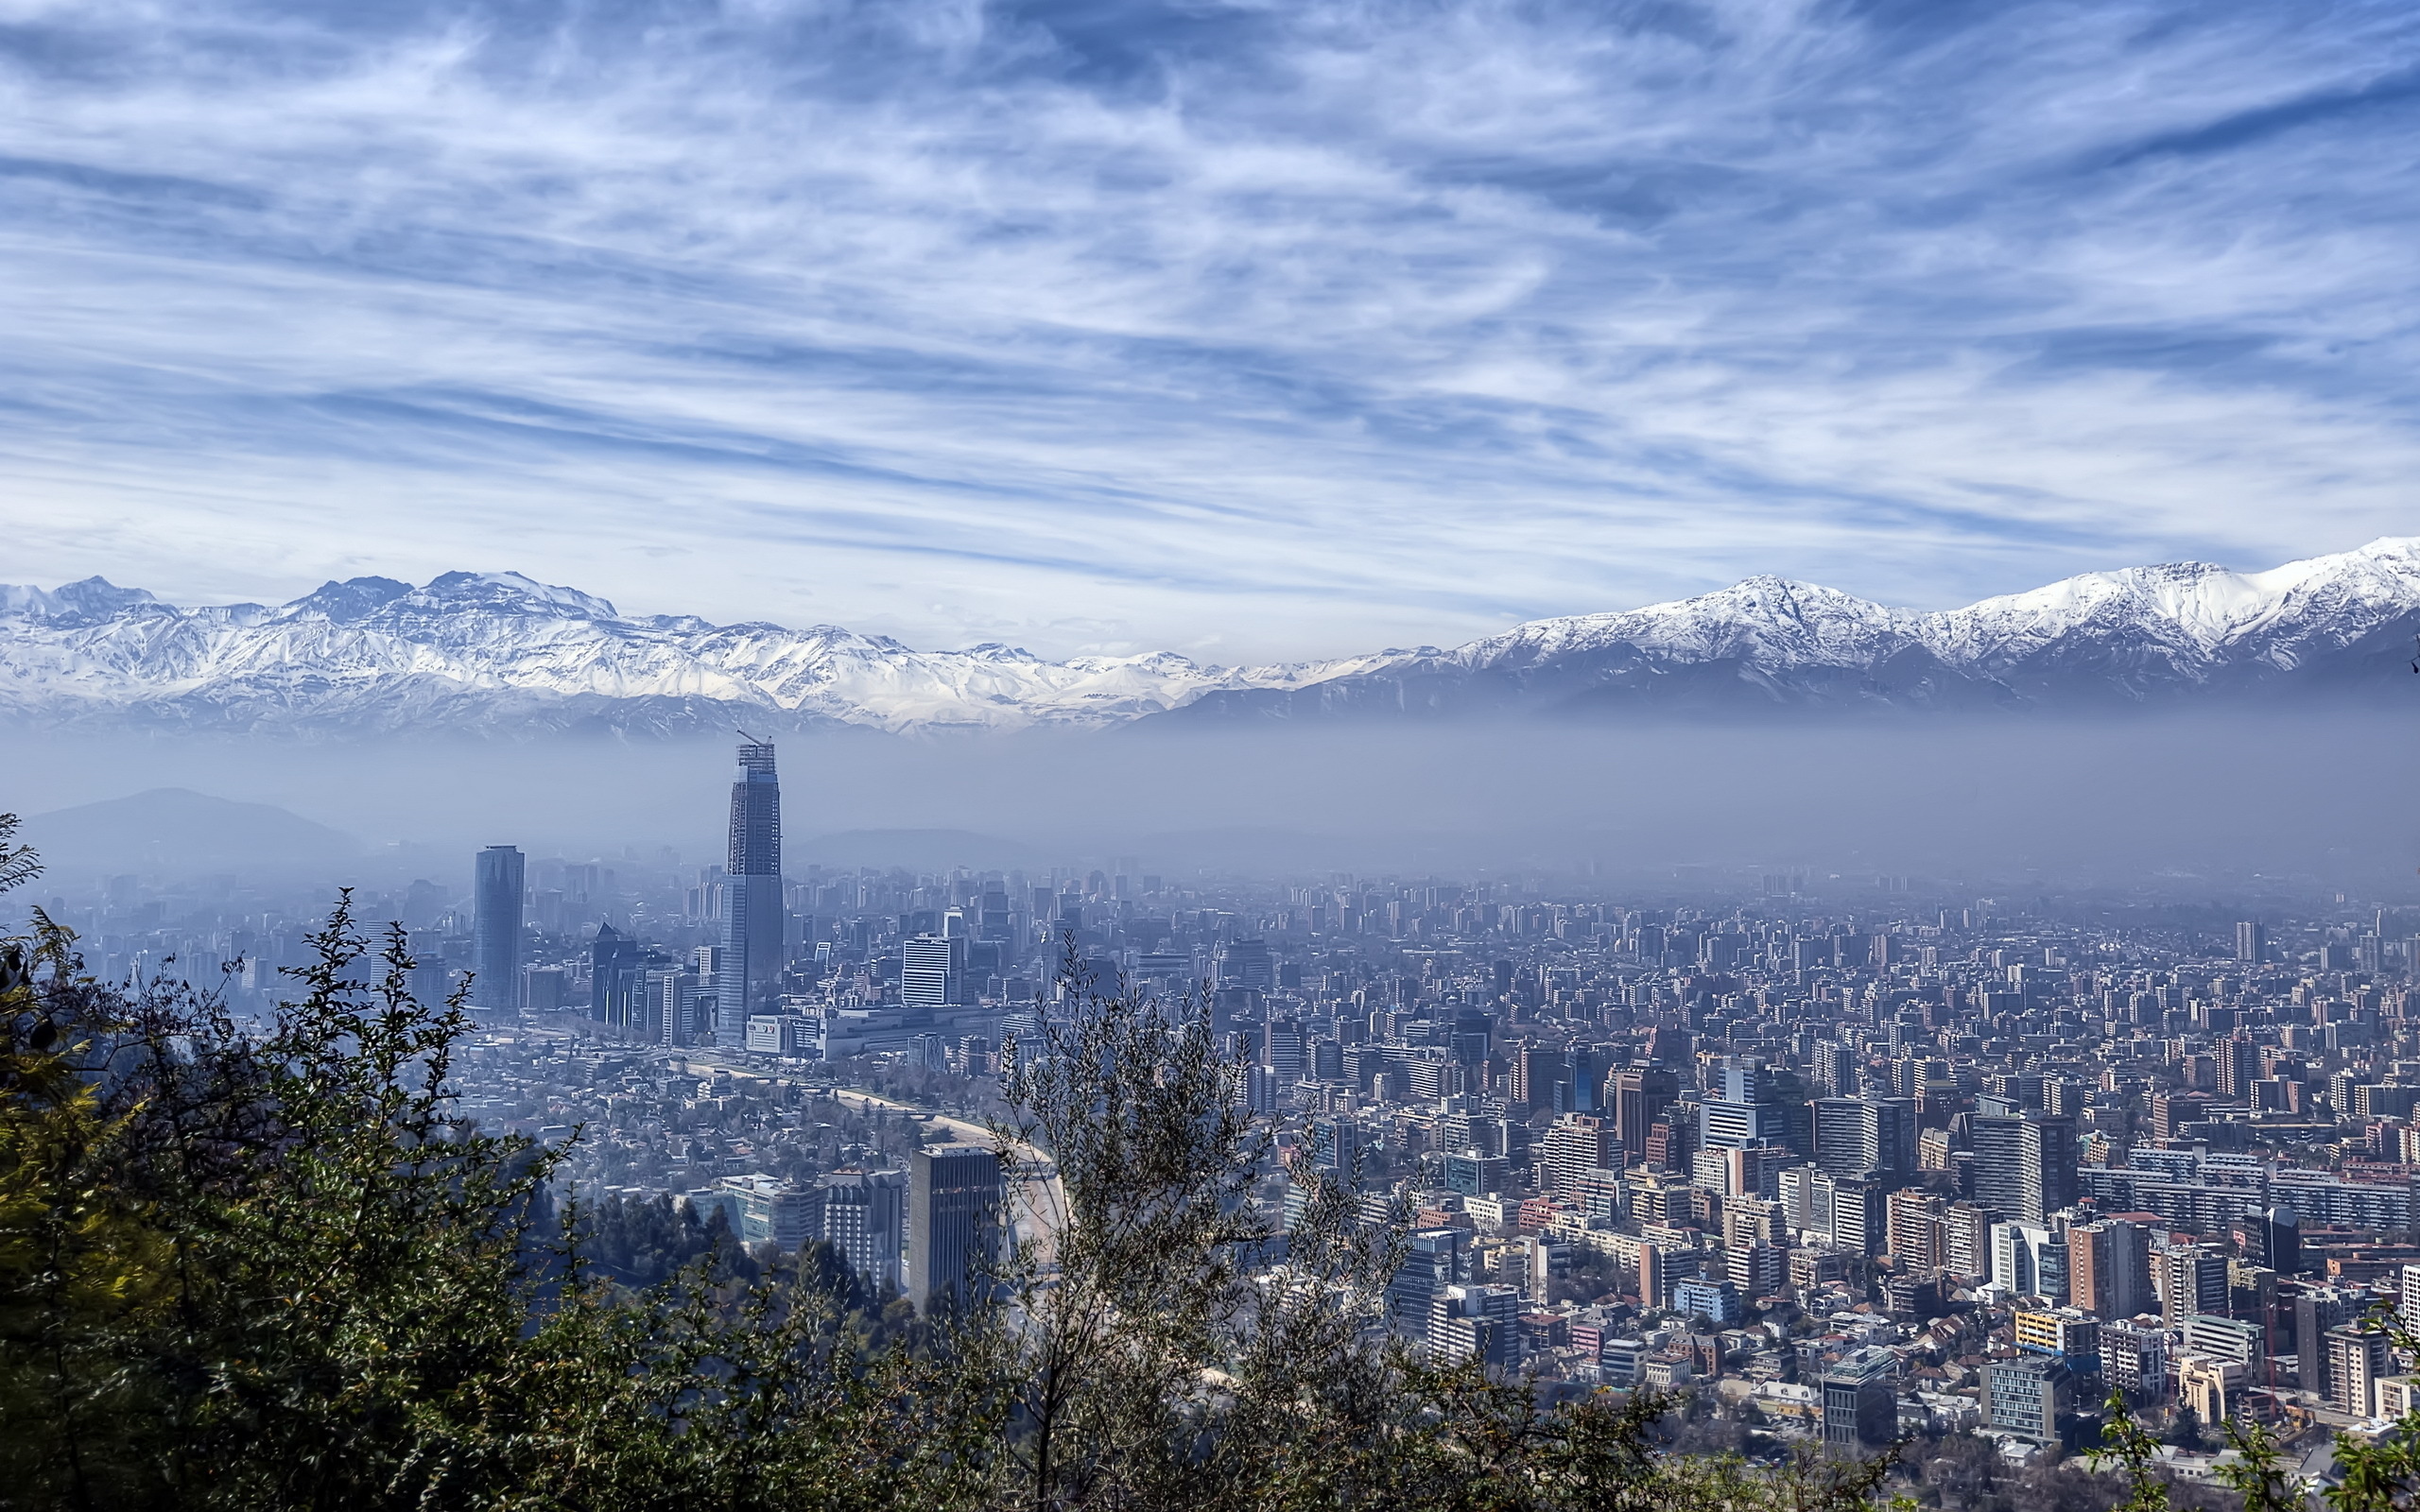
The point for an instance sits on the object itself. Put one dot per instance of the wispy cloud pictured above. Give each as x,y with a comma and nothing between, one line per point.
1252,328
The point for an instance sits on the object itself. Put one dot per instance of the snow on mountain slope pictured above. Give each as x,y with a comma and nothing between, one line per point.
2193,606
498,653
2097,640
501,652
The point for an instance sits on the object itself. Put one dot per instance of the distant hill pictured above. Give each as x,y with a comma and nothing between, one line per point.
179,829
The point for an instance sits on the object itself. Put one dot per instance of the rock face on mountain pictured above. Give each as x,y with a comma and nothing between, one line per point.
497,654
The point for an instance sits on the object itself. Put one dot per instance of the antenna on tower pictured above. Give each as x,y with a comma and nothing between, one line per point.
753,741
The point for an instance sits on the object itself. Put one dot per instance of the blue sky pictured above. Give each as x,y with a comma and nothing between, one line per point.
1250,329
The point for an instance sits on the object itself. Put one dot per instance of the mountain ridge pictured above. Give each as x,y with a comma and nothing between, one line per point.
502,654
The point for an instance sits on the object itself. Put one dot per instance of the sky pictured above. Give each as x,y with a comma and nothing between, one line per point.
1247,329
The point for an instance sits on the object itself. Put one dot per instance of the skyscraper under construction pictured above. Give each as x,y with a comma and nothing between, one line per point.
753,915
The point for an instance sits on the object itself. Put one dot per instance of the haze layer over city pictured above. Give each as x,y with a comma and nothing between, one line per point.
1198,757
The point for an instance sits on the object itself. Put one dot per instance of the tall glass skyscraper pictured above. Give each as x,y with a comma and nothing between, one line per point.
752,913
495,933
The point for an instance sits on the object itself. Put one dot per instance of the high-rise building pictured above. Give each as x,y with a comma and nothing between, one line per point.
2317,1310
954,1194
2028,1261
859,1216
994,923
931,971
2238,1061
1967,1241
2251,942
1860,1220
1575,1146
1535,1070
2356,1357
672,1014
2026,1398
1641,1094
2279,1235
2134,1359
1582,1080
1742,1110
1475,1323
2109,1268
1434,1259
1912,1231
1855,1135
2024,1165
770,1208
1336,1143
496,951
1859,1403
1246,963
1283,1050
2195,1280
616,974
752,912
1757,1270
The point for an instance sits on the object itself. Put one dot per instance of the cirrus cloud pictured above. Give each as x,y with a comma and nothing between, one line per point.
1248,329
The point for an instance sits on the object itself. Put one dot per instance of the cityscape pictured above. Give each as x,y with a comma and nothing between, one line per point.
1209,756
1843,1157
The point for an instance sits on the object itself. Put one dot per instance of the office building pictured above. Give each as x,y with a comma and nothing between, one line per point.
1434,1259
1479,1322
2028,1261
770,1210
1858,1135
1743,1110
1337,1143
616,977
1246,963
1640,1095
932,971
1860,1404
954,1194
2278,1240
2024,1165
1284,1050
860,1215
753,916
496,951
2027,1398
1858,1210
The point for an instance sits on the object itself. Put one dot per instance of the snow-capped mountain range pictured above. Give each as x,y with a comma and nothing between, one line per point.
499,654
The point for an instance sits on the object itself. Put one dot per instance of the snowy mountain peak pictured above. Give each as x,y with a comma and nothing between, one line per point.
355,598
511,591
503,653
91,600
